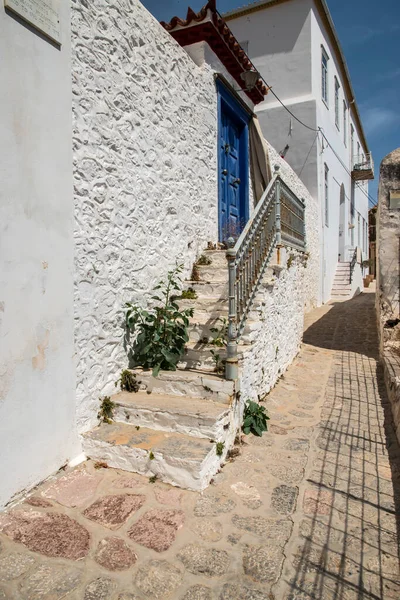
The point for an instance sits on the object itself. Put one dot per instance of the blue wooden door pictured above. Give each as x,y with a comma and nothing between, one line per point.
233,167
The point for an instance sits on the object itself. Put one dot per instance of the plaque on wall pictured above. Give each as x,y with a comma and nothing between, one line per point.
394,199
44,15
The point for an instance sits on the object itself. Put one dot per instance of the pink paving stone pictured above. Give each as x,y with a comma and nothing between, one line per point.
168,496
51,534
317,502
157,529
38,501
113,511
114,554
74,488
125,481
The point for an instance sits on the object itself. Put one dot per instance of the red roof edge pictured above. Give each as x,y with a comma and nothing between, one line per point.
195,28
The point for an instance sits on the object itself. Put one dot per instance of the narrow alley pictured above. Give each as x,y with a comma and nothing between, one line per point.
308,511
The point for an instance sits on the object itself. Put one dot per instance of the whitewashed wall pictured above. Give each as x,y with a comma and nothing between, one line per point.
37,374
281,312
145,172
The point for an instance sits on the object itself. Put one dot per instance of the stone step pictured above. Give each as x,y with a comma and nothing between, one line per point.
198,356
211,273
174,458
180,414
206,289
341,285
218,258
345,294
187,383
211,305
200,330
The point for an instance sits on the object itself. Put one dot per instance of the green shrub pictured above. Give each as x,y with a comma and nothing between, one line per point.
254,419
160,333
128,381
106,411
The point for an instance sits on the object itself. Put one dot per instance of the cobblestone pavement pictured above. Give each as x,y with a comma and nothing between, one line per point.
307,511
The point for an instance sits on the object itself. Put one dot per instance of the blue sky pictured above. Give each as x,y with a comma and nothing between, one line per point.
369,32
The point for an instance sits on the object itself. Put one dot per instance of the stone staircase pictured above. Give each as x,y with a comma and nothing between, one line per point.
173,427
341,288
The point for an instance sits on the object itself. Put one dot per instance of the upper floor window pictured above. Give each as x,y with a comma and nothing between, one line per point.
337,88
326,191
344,122
324,75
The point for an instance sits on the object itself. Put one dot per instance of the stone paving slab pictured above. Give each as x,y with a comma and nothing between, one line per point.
306,512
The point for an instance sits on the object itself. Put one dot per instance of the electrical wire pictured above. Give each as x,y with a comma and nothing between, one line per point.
318,130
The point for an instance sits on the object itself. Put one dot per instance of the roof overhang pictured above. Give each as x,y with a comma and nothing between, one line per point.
325,15
207,26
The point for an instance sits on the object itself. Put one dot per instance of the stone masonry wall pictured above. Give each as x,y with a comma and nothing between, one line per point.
145,171
281,308
388,280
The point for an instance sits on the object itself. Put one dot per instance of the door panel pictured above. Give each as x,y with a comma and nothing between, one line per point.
232,164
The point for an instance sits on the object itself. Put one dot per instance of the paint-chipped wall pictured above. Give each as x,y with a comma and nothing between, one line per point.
145,175
37,373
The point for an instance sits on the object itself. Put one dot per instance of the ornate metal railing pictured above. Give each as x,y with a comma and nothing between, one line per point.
277,220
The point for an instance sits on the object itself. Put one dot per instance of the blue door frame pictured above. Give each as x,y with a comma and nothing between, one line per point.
233,165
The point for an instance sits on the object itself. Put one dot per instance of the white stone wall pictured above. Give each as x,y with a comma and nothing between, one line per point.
145,171
281,311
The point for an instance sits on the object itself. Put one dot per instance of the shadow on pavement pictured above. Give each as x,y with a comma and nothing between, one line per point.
350,543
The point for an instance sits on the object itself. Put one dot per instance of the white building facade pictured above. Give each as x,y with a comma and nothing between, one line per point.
293,44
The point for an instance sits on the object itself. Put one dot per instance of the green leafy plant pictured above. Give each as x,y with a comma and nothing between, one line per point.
106,411
203,261
153,479
160,333
219,363
188,294
219,448
254,419
290,260
151,455
220,333
128,381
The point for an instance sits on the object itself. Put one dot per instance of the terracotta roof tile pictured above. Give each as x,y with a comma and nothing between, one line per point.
207,25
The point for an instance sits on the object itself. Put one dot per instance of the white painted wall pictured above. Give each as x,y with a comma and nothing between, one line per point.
338,161
37,394
284,42
145,174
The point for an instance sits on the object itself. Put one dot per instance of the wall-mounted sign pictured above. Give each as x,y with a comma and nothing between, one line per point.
44,15
394,199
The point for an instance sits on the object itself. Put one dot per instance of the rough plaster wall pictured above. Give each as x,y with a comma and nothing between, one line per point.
281,312
145,131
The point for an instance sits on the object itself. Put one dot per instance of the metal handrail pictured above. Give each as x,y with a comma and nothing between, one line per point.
353,264
278,219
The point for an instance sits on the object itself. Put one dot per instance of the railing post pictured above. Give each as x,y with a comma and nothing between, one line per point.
278,216
304,224
231,366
